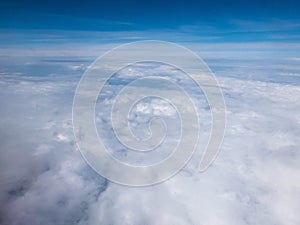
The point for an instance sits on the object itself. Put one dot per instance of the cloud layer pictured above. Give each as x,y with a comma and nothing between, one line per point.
255,179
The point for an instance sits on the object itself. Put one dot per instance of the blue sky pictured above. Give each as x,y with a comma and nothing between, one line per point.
253,48
225,20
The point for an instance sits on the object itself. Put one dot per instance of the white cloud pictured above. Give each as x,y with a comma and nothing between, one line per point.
255,179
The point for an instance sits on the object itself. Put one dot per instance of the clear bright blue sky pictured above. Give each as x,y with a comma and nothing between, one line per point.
255,17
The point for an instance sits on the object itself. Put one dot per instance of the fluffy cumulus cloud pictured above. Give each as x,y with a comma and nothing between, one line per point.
254,180
44,178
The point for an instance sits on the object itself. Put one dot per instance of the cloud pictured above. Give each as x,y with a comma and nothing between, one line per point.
45,180
266,26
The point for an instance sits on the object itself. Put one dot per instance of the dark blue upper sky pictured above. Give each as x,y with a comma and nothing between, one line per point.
133,14
255,17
